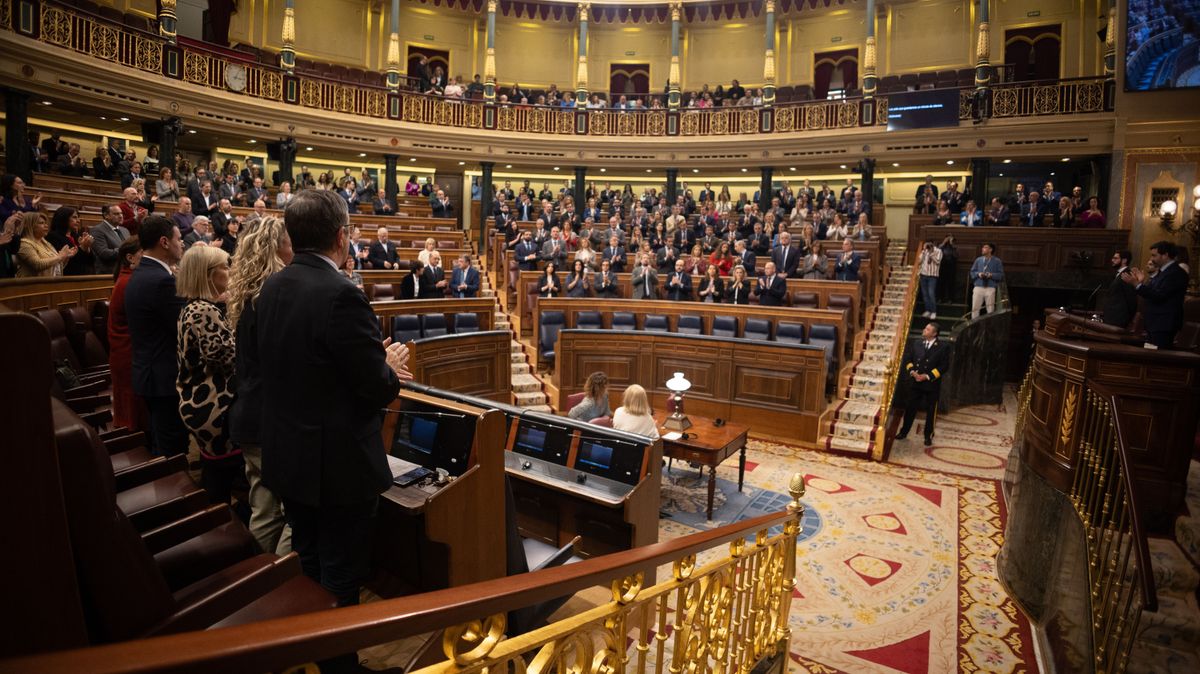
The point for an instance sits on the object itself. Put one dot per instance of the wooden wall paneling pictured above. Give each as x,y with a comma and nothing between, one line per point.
477,364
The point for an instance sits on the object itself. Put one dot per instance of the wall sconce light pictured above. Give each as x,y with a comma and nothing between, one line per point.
677,421
1166,212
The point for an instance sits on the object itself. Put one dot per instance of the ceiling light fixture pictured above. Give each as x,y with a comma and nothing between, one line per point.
949,162
896,164
791,168
308,149
843,167
695,170
124,119
412,158
191,131
604,170
745,170
1007,161
508,166
252,141
47,103
362,154
1066,159
555,168
462,163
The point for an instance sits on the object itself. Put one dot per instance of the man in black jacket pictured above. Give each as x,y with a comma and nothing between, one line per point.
325,377
772,287
153,313
383,253
1120,304
926,365
1162,314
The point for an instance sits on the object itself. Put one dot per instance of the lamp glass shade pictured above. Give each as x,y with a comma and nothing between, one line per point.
1196,191
1168,207
678,383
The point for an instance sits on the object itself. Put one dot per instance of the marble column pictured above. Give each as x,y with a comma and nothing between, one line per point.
485,201
1110,42
983,49
673,73
765,189
580,189
672,185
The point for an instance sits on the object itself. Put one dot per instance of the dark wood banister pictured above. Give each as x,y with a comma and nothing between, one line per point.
1140,544
263,646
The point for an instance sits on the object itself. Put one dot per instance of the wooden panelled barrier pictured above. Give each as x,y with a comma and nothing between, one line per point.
34,294
483,307
776,388
477,364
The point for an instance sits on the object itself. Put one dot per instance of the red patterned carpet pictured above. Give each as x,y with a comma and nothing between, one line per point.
896,566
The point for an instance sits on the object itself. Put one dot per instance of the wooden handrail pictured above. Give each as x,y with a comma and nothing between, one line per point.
1141,544
271,644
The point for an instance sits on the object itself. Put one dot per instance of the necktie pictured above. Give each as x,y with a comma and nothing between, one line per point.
785,257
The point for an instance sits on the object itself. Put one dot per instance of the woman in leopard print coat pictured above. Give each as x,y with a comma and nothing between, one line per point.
205,351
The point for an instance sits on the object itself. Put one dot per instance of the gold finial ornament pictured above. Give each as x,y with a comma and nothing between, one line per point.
289,26
581,73
673,73
769,66
983,49
796,490
489,64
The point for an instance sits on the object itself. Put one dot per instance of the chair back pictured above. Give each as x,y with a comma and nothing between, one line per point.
574,399
90,351
588,320
655,323
623,320
406,328
466,322
788,332
602,421
60,344
804,299
724,326
433,325
689,324
757,328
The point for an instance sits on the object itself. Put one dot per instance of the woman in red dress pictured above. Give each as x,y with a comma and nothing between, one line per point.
127,409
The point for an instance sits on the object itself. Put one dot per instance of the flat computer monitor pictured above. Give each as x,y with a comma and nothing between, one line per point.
543,441
610,458
434,438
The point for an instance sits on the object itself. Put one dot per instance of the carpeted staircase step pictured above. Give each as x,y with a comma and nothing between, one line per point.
517,347
858,394
857,412
848,445
520,368
526,383
1173,571
852,431
529,399
870,369
518,357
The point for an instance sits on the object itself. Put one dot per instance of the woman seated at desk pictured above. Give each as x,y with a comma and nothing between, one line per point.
633,416
595,403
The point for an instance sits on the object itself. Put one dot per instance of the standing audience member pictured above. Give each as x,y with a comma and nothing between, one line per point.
127,409
772,288
548,284
383,253
579,280
206,383
320,423
930,270
152,307
712,288
1120,304
595,403
107,238
679,283
264,251
947,271
848,263
605,282
986,273
350,271
36,256
1092,216
737,291
464,280
66,229
13,199
1162,314
633,416
645,279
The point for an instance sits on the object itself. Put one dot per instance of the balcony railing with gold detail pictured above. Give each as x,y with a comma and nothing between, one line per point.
194,63
1119,574
726,614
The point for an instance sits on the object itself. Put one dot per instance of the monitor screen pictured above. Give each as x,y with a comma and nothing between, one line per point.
544,441
1162,45
922,109
434,438
610,458
423,434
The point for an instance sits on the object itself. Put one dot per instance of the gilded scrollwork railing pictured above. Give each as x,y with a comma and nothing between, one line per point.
1120,578
70,28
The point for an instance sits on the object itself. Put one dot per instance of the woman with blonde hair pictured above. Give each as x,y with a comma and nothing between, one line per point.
36,256
430,246
264,251
633,416
205,352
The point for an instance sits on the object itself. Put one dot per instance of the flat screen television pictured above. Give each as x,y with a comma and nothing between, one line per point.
926,109
543,441
610,458
1162,45
434,438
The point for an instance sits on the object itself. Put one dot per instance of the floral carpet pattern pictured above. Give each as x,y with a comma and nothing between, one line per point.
896,572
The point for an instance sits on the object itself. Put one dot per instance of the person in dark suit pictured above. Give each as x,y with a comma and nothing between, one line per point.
605,281
737,291
846,268
1033,212
548,284
258,193
383,253
442,208
614,254
464,280
742,256
1162,314
926,366
527,252
772,287
382,205
322,452
525,208
786,258
437,274
679,283
666,259
1120,304
418,284
152,309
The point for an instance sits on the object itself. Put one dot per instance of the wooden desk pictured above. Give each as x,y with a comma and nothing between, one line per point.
707,445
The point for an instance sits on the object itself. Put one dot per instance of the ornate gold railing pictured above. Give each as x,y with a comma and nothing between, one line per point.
84,33
1119,573
900,341
728,615
1023,395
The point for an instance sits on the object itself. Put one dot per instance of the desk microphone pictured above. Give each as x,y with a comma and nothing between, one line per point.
439,415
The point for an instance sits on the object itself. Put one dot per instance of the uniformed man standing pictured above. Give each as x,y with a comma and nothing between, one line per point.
926,365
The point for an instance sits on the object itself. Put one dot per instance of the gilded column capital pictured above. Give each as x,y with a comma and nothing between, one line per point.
491,6
584,8
769,67
1110,35
869,56
676,10
489,65
983,48
770,7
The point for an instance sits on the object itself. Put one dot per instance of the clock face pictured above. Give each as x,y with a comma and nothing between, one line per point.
235,77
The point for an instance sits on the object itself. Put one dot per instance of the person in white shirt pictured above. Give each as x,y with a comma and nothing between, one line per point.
633,416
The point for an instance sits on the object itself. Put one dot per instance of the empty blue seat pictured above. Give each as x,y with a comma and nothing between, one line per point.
588,320
433,325
466,323
789,333
623,320
689,324
406,328
655,323
724,326
549,324
825,336
757,328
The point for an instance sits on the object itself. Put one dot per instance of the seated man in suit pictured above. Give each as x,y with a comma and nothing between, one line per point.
464,281
383,205
383,253
418,285
772,287
526,252
645,279
1120,304
442,208
846,268
614,254
1162,314
744,257
679,283
786,258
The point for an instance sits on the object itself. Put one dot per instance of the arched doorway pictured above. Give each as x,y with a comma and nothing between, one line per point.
1033,52
835,71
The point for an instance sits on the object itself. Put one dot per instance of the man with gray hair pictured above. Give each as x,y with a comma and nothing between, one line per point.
325,377
200,234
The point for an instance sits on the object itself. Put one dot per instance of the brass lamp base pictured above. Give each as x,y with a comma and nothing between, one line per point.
677,422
